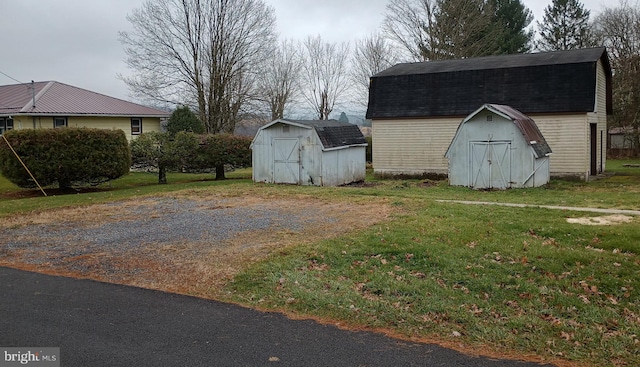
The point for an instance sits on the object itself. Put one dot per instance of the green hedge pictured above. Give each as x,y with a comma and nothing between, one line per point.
65,157
189,152
224,149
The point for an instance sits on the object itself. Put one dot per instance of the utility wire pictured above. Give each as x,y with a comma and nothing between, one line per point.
14,79
8,76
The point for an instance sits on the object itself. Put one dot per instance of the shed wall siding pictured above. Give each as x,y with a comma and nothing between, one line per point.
343,166
317,167
601,90
601,113
515,167
412,146
568,137
312,160
263,157
418,146
478,129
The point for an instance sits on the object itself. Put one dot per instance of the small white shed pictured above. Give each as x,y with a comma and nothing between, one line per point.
320,153
498,147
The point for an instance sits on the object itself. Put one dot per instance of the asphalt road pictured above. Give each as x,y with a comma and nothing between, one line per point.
100,324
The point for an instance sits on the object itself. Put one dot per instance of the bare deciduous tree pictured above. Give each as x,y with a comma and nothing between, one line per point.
618,28
201,52
371,55
325,74
279,81
411,25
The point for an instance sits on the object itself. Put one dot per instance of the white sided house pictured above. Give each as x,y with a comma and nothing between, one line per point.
416,108
320,153
498,147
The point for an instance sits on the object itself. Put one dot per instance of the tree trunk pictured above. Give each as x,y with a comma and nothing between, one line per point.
64,184
220,172
162,174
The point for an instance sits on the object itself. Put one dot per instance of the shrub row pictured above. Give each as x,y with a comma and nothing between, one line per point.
64,157
187,151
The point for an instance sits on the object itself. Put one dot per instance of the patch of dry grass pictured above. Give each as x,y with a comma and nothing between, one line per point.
190,267
82,216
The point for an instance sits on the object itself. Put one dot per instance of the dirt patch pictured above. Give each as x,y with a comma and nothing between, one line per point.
189,244
361,184
428,183
601,221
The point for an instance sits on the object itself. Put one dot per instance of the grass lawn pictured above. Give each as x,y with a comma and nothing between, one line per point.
15,200
502,281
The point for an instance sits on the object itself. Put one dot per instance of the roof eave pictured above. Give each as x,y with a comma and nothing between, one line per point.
287,122
71,114
343,147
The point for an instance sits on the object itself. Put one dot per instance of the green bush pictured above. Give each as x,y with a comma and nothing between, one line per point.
146,149
190,152
183,119
65,157
224,149
164,151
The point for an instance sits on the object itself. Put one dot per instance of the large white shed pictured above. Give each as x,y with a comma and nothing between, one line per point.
415,108
320,153
498,147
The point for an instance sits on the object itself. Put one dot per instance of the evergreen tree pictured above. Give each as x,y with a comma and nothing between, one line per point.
565,26
514,18
183,119
343,117
450,29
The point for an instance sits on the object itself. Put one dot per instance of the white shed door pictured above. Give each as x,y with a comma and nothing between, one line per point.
490,164
286,166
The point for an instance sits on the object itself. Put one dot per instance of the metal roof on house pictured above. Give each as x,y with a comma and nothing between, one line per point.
54,98
524,123
332,133
546,82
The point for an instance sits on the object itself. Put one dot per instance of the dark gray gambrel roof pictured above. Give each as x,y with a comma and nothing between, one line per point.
547,82
333,133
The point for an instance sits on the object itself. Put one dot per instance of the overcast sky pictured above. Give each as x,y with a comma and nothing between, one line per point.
76,41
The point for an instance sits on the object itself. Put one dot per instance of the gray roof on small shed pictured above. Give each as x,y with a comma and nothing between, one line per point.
546,82
332,133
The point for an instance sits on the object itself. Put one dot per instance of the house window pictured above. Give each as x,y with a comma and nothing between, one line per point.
5,124
136,126
285,129
59,122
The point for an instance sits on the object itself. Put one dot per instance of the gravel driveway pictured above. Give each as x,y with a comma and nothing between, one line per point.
187,244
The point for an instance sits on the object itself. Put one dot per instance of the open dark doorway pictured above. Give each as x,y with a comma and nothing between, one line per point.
594,149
